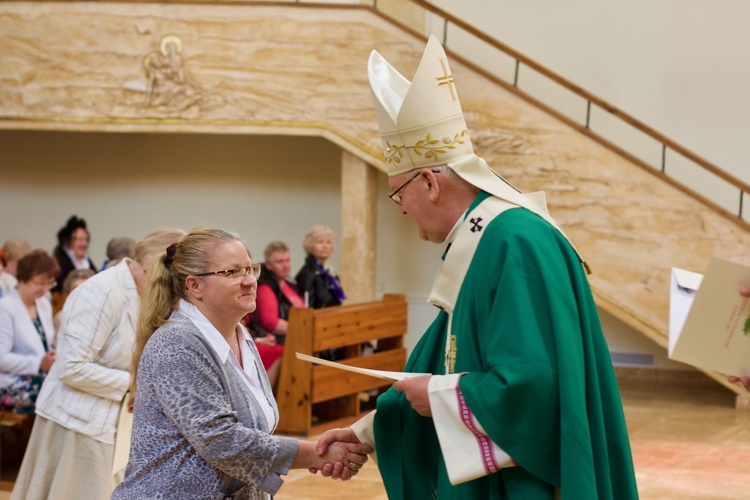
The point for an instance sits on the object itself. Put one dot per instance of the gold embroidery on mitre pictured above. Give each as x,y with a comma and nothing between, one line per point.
427,147
446,79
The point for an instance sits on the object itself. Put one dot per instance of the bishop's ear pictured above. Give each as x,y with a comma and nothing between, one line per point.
432,184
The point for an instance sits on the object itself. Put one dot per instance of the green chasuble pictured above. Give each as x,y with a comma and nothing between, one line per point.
538,377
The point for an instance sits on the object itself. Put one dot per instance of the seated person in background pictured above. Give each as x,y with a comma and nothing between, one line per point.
71,282
71,251
276,296
118,249
15,249
27,332
316,283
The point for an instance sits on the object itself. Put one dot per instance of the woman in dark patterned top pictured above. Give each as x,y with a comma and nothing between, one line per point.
204,411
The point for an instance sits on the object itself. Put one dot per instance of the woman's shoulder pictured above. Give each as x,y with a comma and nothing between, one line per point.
10,301
177,332
177,341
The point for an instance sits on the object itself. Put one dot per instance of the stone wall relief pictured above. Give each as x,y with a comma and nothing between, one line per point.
169,86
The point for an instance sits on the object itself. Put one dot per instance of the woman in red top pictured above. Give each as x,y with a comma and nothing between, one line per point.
276,296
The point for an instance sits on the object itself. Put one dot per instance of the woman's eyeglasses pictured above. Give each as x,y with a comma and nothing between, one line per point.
237,272
45,284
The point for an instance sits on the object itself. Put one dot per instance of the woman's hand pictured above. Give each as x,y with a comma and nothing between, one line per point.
337,459
47,361
336,466
269,340
343,460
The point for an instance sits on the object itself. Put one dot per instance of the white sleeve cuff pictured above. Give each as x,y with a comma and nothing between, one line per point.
365,432
467,450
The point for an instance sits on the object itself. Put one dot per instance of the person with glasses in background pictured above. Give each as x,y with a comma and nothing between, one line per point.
71,449
72,248
204,411
27,332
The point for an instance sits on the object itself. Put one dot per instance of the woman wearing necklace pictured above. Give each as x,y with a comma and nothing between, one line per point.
204,411
27,334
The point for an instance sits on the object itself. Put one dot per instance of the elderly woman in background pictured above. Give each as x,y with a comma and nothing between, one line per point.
27,332
71,449
204,411
117,249
317,283
15,249
72,248
276,296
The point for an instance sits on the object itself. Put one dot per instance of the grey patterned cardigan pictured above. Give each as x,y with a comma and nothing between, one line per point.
198,432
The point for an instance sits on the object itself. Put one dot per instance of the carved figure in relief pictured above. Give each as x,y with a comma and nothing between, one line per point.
170,85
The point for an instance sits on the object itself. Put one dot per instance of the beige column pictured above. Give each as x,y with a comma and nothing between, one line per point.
358,227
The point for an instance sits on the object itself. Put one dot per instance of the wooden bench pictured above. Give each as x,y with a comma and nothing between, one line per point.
313,398
14,436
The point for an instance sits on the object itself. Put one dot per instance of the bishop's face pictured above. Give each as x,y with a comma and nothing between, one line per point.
415,200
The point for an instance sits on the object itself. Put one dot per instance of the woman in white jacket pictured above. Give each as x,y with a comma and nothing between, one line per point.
71,449
27,334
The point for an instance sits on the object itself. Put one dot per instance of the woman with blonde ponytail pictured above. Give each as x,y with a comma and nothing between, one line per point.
204,410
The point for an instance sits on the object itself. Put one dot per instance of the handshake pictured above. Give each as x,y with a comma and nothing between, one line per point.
339,454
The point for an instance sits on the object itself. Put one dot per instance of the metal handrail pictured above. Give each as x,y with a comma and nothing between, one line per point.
520,59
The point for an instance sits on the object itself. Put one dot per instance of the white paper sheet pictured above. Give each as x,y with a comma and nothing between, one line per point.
363,371
683,288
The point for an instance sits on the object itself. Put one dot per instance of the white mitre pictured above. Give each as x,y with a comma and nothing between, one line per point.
422,125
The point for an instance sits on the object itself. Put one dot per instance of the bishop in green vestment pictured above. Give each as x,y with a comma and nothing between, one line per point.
519,400
537,377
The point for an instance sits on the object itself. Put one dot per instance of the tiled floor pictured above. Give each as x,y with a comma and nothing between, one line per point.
688,442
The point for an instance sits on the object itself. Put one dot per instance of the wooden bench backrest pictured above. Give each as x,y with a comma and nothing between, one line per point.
346,328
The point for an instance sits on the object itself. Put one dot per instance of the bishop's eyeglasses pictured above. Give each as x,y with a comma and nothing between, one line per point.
237,272
396,195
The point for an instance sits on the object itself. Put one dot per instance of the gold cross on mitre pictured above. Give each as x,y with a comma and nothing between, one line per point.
446,79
